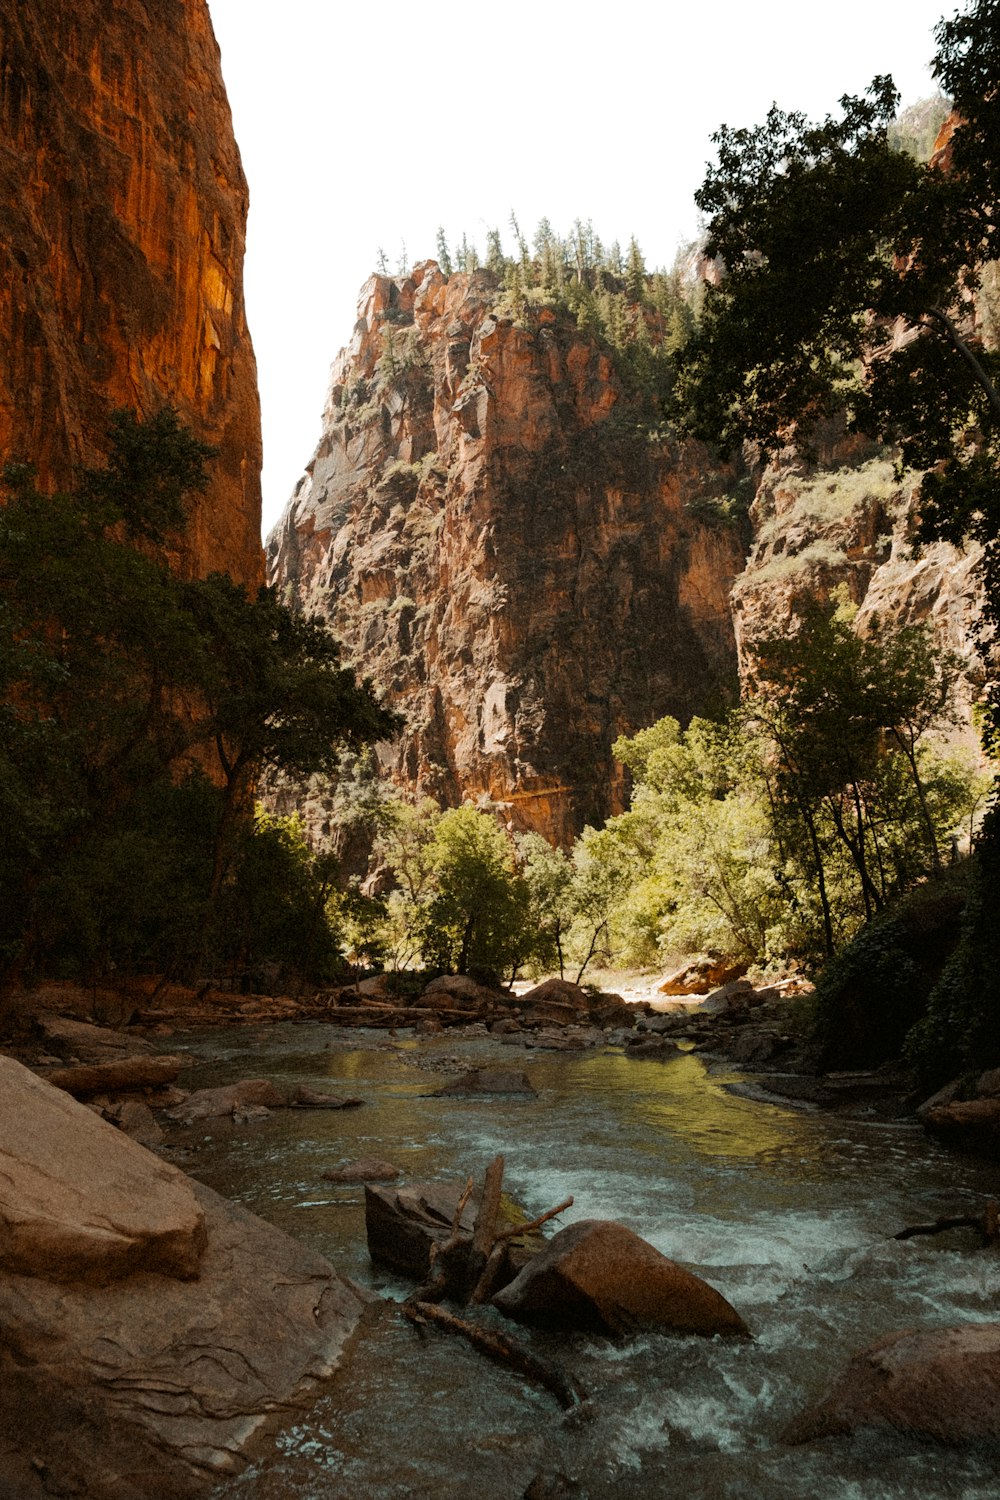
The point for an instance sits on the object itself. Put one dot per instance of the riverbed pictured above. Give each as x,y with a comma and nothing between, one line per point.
788,1212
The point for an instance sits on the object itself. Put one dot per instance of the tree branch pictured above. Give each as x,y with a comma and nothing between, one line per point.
942,320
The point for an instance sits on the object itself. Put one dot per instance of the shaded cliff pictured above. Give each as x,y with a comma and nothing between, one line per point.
520,568
122,217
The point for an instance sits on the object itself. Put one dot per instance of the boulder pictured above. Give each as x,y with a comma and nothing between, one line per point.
941,1384
657,1047
459,992
701,975
137,1121
599,1275
732,996
488,1081
212,1104
555,1002
81,1202
610,1010
969,1124
368,1169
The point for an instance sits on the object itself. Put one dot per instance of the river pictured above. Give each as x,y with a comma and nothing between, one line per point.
788,1212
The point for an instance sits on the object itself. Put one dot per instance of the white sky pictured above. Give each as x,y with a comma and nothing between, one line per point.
367,126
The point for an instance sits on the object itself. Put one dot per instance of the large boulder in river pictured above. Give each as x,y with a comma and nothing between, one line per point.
599,1275
459,992
941,1384
488,1081
969,1124
700,975
149,1328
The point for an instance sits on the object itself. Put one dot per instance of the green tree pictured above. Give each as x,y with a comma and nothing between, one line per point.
477,918
443,253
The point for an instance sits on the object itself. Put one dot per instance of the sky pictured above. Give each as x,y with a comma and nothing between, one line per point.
369,127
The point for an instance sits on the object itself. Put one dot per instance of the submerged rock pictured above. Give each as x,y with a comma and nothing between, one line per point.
367,1169
489,1081
942,1384
597,1274
306,1098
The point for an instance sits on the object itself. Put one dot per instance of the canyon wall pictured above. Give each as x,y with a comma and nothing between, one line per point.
523,572
122,220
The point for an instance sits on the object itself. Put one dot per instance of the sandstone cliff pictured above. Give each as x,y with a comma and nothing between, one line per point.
518,569
122,216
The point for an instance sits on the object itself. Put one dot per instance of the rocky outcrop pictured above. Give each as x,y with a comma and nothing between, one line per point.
149,1328
521,570
846,522
122,216
942,1385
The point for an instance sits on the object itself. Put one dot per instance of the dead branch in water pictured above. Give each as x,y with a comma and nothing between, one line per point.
504,1350
988,1224
514,1230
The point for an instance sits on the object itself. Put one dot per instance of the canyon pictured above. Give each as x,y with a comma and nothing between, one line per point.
526,571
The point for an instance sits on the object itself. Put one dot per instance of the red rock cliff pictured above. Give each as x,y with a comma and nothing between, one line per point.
521,573
122,217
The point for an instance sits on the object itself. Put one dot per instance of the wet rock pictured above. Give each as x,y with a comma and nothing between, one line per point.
212,1104
250,1114
597,1274
652,1047
942,1384
489,1081
969,1124
302,1097
367,1169
403,1223
79,1201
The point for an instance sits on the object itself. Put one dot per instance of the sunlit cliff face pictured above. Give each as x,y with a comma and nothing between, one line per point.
124,211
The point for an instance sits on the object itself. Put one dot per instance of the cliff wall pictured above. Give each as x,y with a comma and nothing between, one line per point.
517,567
122,218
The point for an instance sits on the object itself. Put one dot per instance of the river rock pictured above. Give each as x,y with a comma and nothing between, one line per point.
489,1081
302,1097
727,997
941,1384
212,1104
367,1169
658,1047
404,1223
89,1043
969,1124
81,1202
555,1002
597,1274
137,1121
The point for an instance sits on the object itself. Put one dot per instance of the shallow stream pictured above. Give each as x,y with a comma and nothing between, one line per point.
789,1213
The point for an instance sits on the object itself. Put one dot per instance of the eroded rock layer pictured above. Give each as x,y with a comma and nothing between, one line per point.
523,573
122,215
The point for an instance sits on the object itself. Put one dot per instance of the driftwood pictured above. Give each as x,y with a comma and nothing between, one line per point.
988,1224
124,1075
515,1230
504,1350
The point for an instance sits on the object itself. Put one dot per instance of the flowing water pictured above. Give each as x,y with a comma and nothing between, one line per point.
787,1212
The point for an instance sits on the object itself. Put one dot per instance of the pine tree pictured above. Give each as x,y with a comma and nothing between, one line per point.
443,255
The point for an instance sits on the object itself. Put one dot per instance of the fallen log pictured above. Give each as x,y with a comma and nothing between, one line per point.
988,1224
126,1075
503,1350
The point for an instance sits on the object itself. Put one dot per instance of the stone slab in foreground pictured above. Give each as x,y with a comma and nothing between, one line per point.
78,1199
148,1386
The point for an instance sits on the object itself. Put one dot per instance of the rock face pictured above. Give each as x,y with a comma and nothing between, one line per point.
122,216
597,1274
143,1384
943,1384
520,572
845,522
